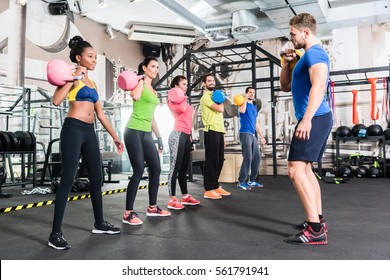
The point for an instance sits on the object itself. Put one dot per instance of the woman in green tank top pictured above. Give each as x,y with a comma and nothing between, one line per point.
140,144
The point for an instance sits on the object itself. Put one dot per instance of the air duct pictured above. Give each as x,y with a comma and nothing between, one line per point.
219,36
214,30
244,21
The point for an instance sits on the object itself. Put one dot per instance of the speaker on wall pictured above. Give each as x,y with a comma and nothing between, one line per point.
151,50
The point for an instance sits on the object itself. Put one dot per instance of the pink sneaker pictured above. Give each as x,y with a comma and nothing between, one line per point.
156,211
175,205
131,219
189,200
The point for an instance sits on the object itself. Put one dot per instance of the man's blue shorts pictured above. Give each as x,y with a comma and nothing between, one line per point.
312,150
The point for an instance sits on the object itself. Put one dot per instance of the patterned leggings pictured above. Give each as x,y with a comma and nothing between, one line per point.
180,150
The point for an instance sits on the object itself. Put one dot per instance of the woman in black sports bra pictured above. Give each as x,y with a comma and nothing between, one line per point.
78,138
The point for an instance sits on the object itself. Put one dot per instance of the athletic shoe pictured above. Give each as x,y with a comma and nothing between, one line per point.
157,212
212,195
255,184
304,225
175,205
244,187
310,237
57,241
222,192
131,219
189,200
105,227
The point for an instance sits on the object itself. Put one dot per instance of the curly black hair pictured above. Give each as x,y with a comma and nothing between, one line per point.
77,46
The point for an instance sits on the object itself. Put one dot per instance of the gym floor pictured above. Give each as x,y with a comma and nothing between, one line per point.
248,225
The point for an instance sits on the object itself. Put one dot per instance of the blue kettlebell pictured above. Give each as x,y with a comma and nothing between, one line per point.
218,96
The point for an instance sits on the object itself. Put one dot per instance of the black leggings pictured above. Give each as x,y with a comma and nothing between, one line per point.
78,137
141,148
180,148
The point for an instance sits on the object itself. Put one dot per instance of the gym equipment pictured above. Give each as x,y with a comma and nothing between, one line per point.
19,141
345,171
176,95
343,131
355,115
386,133
335,180
239,99
59,73
374,130
128,80
298,53
218,96
374,172
81,185
361,171
374,111
359,129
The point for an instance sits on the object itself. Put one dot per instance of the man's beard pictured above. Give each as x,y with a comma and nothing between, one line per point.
210,88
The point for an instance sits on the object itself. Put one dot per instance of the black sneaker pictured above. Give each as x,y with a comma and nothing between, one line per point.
308,236
105,227
57,241
304,225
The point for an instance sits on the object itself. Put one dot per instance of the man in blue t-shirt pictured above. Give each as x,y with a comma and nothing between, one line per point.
249,125
307,82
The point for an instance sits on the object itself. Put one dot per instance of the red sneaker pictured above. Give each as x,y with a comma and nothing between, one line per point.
189,200
175,205
157,212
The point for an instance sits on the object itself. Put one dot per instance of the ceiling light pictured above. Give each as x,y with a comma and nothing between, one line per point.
102,4
110,32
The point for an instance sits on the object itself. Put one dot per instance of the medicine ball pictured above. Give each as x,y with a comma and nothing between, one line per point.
343,131
356,128
386,133
374,130
361,171
345,171
374,172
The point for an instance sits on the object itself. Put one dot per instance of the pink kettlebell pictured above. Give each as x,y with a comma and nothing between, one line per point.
59,72
176,95
128,80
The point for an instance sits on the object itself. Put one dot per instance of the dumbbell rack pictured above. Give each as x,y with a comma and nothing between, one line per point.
380,139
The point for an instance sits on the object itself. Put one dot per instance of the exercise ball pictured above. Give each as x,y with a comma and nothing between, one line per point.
357,128
374,130
343,131
386,133
361,171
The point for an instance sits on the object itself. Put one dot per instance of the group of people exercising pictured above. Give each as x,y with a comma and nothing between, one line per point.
308,82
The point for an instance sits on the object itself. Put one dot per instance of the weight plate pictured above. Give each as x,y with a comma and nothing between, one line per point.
5,140
22,140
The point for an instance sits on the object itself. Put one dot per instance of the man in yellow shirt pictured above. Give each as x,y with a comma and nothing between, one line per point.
214,140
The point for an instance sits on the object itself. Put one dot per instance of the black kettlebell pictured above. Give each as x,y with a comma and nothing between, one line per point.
374,130
374,172
343,131
357,128
386,133
345,171
361,171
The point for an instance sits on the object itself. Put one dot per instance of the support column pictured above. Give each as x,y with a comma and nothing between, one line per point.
16,44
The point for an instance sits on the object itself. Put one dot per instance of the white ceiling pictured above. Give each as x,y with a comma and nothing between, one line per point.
271,15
